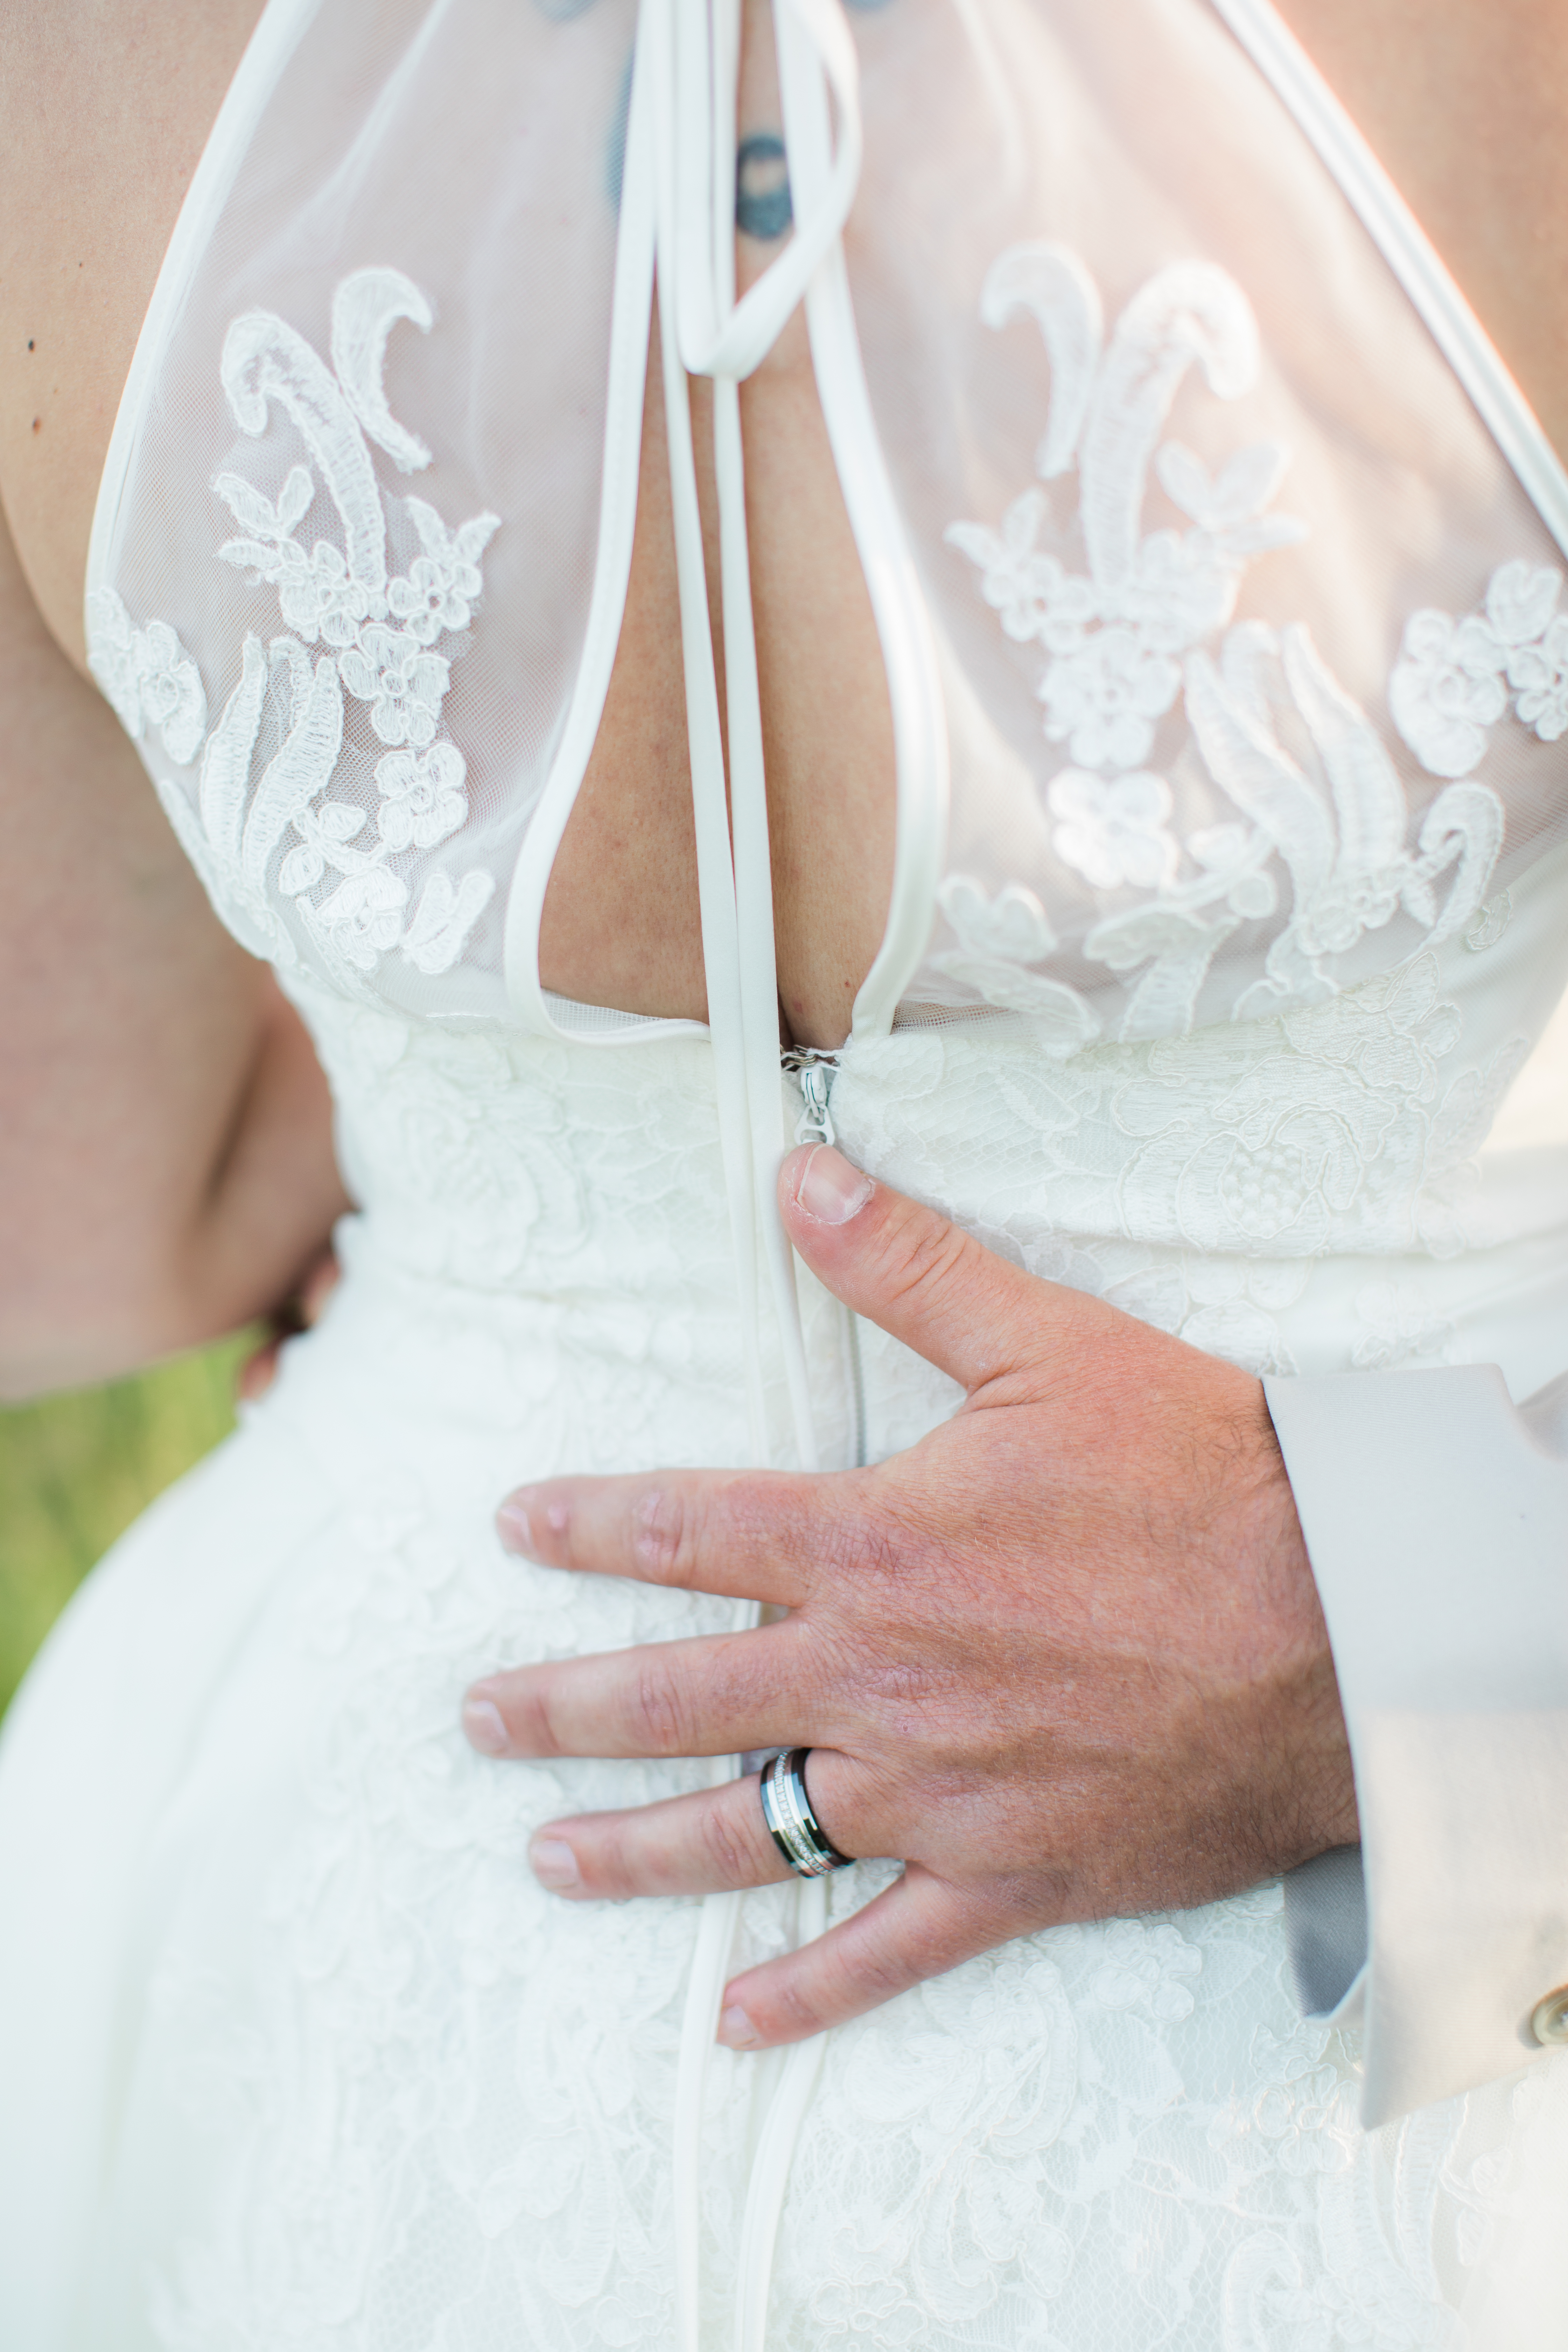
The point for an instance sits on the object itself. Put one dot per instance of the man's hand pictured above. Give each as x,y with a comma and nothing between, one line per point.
1063,1658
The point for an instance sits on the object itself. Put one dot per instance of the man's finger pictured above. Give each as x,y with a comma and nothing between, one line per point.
921,1278
705,1844
920,1928
748,1534
717,1696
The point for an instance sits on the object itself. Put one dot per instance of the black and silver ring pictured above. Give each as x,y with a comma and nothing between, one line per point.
787,1809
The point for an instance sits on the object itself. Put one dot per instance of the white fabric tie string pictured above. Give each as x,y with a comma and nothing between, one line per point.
718,336
688,67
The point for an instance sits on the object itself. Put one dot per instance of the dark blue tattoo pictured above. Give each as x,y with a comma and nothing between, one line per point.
763,207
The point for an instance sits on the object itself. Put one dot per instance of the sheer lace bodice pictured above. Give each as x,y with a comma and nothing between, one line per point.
1247,632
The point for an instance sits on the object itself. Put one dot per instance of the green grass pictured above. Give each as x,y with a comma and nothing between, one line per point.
75,1470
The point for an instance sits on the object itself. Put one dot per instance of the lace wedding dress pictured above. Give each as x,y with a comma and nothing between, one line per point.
1217,565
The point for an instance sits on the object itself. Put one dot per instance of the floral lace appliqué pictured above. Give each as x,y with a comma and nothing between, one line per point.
1148,627
349,628
148,676
1455,680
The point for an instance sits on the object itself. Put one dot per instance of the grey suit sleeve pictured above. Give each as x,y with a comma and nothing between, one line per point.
1436,1516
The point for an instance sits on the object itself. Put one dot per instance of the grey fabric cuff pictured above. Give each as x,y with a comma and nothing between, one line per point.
1325,1930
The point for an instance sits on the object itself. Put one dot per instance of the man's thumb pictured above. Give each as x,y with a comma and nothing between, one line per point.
913,1272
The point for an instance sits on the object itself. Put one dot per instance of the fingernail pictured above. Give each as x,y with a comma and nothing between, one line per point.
484,1726
829,1190
736,2031
511,1520
555,1865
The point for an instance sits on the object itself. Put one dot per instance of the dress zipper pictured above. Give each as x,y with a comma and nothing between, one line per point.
817,1071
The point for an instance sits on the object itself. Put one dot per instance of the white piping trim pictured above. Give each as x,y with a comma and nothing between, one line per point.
1410,254
904,624
817,30
281,26
534,1005
729,339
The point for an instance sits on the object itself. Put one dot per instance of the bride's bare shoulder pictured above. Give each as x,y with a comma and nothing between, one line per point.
1465,106
105,107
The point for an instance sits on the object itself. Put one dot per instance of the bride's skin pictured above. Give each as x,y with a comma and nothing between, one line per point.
1064,1656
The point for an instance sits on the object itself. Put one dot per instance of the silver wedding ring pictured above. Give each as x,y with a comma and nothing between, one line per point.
787,1809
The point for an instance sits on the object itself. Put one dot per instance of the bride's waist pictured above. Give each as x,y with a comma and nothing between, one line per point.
563,1368
573,1363
508,1276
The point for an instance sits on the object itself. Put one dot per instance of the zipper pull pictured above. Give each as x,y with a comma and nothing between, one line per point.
815,1124
815,1072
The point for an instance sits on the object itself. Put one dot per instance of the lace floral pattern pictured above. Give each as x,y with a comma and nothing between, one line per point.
1455,680
263,827
148,676
1192,1181
1113,829
1149,626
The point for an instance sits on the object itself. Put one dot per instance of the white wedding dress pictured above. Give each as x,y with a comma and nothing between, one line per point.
1217,565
